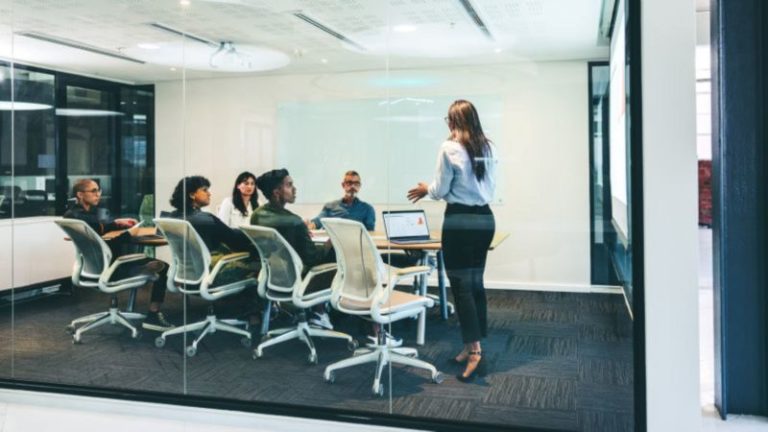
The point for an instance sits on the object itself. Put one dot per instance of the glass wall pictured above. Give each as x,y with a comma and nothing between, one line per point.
335,125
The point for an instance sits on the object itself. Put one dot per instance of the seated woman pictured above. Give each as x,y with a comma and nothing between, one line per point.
237,209
189,197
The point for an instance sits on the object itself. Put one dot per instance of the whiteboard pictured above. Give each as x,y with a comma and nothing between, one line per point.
392,143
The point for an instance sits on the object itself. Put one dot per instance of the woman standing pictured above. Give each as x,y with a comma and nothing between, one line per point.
466,180
237,210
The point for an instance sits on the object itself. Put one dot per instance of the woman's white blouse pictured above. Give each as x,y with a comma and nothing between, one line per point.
232,216
456,183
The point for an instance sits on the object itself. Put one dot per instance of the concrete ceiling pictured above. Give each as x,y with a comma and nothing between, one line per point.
399,34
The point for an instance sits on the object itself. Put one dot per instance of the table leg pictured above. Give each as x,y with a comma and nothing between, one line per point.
131,300
441,286
265,317
424,260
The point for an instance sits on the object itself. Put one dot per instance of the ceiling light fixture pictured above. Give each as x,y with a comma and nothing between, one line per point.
23,106
475,17
82,112
148,46
227,57
325,29
77,45
404,28
182,33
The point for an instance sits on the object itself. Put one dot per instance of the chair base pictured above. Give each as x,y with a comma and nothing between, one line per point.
448,305
382,355
112,316
304,333
207,326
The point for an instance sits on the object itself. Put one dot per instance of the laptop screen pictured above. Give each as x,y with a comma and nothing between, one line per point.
405,224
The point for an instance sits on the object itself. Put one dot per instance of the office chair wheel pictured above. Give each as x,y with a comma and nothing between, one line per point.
191,351
159,342
136,335
331,378
438,378
312,358
352,345
257,354
76,340
245,341
70,329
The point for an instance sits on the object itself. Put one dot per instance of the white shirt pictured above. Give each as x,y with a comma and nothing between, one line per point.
231,216
456,183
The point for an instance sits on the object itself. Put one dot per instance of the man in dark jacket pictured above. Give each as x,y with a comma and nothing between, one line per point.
87,194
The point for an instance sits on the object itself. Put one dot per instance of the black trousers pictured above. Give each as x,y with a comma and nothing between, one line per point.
467,234
136,267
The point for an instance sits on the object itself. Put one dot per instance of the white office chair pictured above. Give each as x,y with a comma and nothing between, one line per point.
191,274
94,268
365,287
280,280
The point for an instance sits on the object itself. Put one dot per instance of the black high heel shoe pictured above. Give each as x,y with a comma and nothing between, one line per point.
480,369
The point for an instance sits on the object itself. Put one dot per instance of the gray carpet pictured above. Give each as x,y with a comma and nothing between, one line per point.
560,361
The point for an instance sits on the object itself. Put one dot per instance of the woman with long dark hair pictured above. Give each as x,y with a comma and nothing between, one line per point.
237,209
466,180
189,197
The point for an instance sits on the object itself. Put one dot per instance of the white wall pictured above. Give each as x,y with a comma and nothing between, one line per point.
33,250
219,127
670,213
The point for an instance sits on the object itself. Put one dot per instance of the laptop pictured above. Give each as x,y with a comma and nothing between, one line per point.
407,227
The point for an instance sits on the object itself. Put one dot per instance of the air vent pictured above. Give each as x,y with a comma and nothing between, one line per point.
325,29
78,45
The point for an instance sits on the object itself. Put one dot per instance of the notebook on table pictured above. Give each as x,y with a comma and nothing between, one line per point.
407,227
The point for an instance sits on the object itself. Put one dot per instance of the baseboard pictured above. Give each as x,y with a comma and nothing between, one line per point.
547,287
554,287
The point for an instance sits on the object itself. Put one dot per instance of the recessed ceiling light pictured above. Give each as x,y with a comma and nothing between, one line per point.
22,106
173,69
497,50
404,28
148,46
184,2
324,61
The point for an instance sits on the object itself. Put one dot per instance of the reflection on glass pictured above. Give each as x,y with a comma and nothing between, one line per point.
345,111
27,143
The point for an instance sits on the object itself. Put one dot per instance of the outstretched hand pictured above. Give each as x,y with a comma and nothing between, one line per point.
417,193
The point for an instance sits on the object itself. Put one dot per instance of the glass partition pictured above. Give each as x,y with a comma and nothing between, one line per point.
277,156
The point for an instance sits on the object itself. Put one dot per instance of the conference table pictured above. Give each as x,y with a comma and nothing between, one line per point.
148,236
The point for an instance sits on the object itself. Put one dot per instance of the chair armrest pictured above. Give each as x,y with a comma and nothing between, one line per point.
125,283
226,259
305,301
411,271
129,258
322,268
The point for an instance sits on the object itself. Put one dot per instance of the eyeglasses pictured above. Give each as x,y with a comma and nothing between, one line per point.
94,190
352,183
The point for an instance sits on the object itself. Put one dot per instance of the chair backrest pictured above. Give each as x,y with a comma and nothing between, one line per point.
191,258
361,269
282,264
93,254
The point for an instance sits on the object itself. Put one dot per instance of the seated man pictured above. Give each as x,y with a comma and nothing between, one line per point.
87,196
349,206
189,197
277,186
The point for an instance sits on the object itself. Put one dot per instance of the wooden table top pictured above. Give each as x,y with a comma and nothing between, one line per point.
149,236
